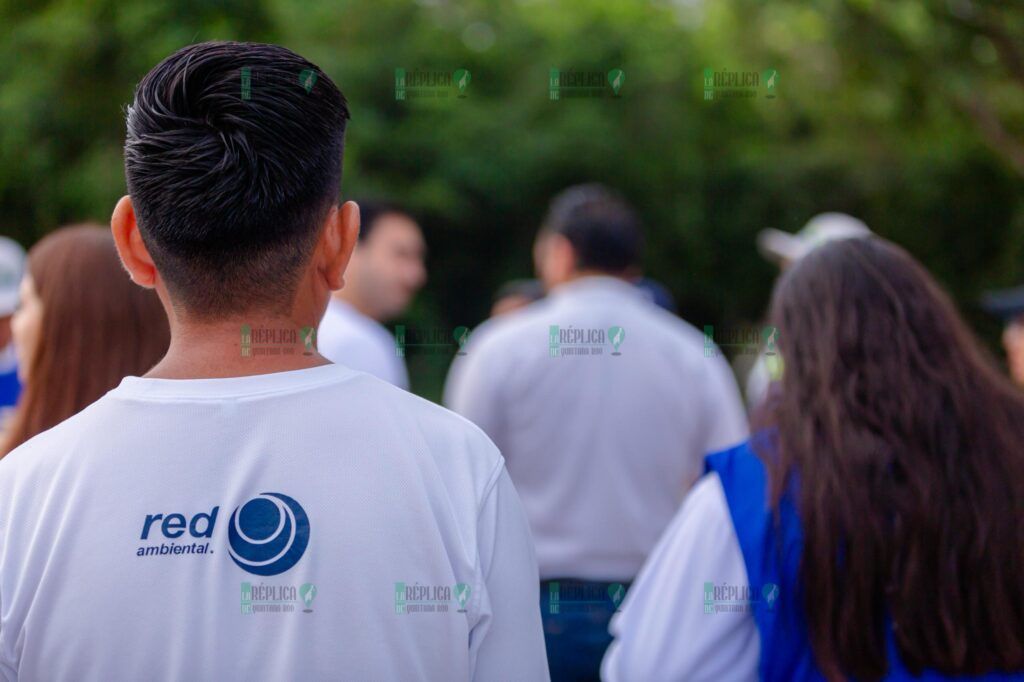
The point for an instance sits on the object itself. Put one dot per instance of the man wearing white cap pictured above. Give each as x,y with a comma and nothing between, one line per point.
785,248
12,265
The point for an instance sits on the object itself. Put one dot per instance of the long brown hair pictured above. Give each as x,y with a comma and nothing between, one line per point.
908,446
97,327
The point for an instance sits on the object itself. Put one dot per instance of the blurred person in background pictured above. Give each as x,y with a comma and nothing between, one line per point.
12,264
784,249
386,271
1008,304
657,293
874,527
81,327
516,295
604,406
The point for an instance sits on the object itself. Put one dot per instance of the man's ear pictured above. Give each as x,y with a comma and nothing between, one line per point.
339,238
130,247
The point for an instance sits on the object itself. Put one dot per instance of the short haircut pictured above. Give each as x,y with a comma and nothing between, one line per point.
371,210
233,159
530,289
603,229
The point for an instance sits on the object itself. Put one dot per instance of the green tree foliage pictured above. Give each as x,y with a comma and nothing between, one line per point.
909,114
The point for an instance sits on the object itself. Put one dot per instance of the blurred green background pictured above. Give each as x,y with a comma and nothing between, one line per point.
907,114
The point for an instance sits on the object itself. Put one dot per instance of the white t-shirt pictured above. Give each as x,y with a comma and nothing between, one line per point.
601,441
305,525
349,338
662,631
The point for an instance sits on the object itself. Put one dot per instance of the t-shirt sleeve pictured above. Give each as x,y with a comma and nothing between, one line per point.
662,632
507,643
472,389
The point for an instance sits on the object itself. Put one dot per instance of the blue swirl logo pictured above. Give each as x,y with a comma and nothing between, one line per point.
268,534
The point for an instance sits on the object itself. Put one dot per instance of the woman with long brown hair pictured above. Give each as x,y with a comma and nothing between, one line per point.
82,326
874,529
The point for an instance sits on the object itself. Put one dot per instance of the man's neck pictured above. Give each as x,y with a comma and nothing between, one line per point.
239,347
578,275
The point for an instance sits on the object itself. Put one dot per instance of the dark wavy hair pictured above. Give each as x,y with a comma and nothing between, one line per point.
908,445
233,157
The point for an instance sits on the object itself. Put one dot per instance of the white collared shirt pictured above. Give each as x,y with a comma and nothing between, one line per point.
347,337
602,447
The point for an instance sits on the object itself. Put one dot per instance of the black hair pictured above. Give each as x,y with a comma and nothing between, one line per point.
603,229
233,159
371,210
530,289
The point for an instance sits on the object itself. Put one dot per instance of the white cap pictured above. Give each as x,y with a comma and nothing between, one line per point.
12,267
826,227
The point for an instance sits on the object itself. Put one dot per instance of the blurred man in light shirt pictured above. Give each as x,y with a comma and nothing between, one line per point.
604,406
386,271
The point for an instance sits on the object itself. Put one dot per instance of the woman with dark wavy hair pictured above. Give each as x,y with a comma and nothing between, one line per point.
874,529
